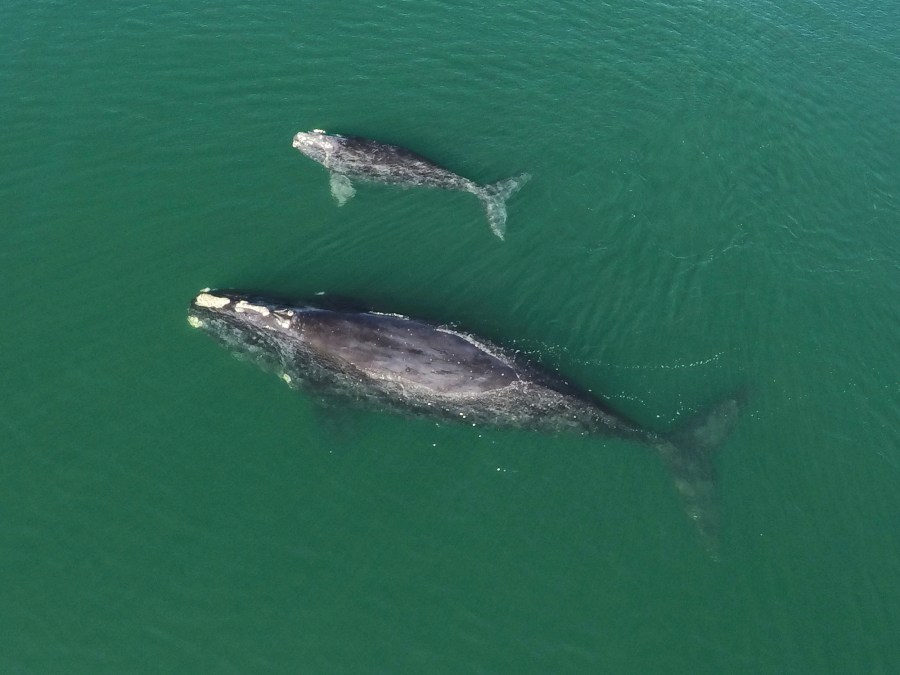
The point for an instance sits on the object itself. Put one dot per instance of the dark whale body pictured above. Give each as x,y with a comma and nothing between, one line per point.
396,363
350,158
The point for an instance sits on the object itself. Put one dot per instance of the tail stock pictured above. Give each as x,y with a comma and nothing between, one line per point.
494,198
689,453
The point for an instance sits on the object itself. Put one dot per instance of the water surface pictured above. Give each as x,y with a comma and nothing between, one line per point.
714,204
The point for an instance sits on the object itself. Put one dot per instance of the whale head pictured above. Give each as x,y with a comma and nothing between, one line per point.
240,309
262,330
315,144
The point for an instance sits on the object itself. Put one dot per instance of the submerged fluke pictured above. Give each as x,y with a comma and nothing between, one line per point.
494,198
689,454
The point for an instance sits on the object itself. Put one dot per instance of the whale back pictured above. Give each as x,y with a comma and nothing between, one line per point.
409,352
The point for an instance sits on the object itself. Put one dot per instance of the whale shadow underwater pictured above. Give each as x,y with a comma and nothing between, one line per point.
394,363
350,158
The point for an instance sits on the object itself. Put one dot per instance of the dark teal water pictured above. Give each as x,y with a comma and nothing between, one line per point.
714,205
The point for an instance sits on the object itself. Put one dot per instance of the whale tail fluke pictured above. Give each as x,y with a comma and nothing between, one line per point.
689,454
494,198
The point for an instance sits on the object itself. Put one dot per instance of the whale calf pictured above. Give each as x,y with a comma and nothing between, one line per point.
392,362
351,158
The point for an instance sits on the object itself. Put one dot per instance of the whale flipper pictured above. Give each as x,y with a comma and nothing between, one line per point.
341,188
494,198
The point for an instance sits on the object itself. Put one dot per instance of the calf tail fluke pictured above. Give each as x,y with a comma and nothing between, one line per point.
689,454
494,198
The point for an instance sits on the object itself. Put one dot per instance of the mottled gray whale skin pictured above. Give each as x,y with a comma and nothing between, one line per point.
408,366
350,158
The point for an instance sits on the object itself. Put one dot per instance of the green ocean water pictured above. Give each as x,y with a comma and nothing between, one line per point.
715,204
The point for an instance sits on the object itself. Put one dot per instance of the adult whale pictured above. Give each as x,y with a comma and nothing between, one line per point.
411,366
354,158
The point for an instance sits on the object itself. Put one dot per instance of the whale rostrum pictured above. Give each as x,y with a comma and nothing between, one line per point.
350,158
395,363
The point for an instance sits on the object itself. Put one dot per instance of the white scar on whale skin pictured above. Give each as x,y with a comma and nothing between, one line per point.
211,301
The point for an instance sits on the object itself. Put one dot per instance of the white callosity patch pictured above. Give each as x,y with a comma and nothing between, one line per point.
195,322
244,306
283,318
210,301
286,378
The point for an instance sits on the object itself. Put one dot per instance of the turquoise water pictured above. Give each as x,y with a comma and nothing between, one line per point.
714,204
